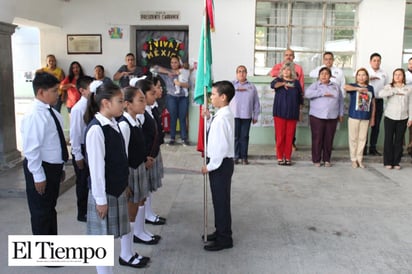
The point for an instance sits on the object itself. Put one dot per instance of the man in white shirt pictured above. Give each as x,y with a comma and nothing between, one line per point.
378,79
337,76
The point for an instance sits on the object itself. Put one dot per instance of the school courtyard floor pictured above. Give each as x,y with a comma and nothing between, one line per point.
297,219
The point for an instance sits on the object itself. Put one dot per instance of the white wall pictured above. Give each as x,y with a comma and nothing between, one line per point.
233,40
380,29
381,25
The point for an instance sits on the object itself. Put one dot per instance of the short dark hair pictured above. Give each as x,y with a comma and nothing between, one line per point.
375,54
323,69
44,80
83,82
226,88
100,67
328,53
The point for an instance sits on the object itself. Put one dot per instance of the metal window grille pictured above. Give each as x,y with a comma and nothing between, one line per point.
307,27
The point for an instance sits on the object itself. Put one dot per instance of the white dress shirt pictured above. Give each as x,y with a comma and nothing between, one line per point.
398,102
337,77
148,110
221,137
78,128
125,129
378,84
41,140
95,154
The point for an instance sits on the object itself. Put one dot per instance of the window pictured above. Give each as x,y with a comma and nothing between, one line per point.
407,35
307,27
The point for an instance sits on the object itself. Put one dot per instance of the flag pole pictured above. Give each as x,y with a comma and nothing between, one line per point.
205,105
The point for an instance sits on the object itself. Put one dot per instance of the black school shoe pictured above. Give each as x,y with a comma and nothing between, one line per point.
158,221
374,152
142,261
153,241
82,218
210,237
216,246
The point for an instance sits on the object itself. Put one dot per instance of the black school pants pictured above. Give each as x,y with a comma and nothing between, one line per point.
220,184
82,189
43,207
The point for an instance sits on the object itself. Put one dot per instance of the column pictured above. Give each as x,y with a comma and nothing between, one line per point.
9,154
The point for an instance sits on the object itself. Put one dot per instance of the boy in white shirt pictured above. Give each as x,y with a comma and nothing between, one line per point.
77,138
220,153
45,152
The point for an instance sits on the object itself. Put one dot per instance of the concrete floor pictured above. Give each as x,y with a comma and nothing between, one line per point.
298,219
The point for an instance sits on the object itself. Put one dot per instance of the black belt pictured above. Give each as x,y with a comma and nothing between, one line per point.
226,158
378,99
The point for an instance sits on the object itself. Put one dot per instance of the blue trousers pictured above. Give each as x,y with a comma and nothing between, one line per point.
177,107
242,128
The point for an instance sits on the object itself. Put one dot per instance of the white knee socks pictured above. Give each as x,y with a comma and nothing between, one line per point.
139,230
149,214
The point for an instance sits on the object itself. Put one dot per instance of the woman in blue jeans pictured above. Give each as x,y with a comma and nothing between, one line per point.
177,103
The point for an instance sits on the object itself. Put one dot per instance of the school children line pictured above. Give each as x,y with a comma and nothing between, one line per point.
116,137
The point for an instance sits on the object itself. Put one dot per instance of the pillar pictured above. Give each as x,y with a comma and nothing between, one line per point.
8,148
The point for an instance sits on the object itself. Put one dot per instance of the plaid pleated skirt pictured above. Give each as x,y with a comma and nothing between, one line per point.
116,222
155,174
138,183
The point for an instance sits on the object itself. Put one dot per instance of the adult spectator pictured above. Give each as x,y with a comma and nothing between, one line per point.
398,116
69,84
177,103
286,106
337,74
360,116
288,57
52,68
99,74
245,106
408,75
377,79
326,109
128,71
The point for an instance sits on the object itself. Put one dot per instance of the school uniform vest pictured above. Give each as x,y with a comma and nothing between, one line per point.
116,164
137,149
151,135
158,118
